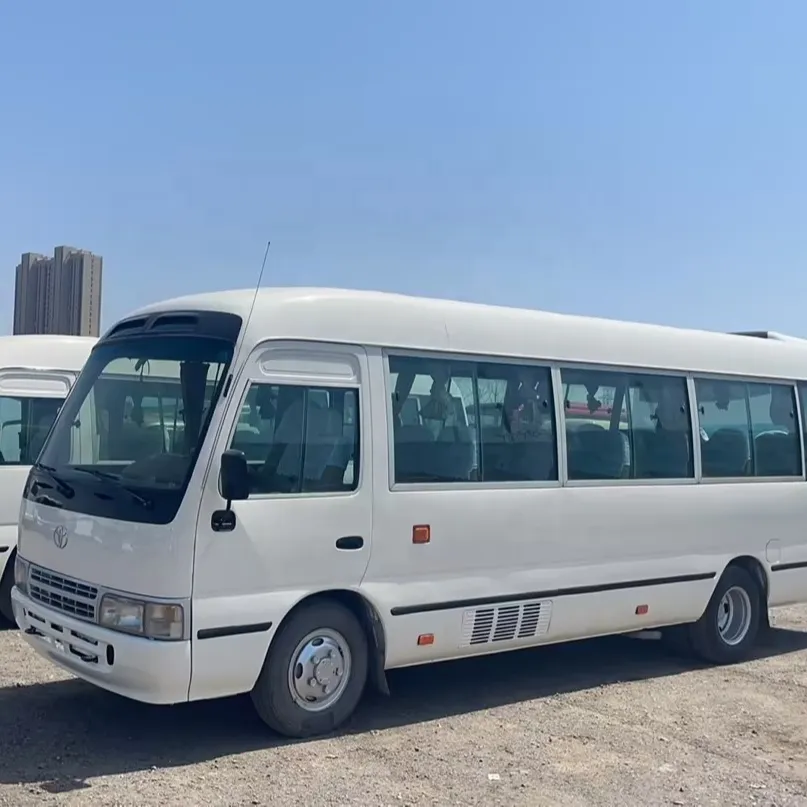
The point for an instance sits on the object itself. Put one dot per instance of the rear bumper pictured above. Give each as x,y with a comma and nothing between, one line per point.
141,669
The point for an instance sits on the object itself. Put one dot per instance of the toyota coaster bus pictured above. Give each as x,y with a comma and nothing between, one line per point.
36,373
287,493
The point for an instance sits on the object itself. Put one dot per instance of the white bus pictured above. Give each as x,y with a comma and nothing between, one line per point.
36,373
377,481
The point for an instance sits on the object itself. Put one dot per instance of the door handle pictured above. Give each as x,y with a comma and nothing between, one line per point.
350,542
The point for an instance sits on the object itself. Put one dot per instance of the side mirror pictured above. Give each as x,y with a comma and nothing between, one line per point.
234,476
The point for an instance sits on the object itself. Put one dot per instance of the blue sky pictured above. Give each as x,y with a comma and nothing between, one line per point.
627,159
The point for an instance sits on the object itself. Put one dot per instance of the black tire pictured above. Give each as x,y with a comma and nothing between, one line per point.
272,694
6,584
677,640
705,638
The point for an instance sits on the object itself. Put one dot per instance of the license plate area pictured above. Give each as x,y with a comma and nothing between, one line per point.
71,644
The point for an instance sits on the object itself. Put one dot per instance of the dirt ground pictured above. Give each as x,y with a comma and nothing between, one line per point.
609,722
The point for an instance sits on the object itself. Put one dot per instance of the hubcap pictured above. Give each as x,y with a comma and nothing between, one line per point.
319,670
734,615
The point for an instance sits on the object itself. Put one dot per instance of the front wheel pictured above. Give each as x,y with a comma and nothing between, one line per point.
315,671
728,629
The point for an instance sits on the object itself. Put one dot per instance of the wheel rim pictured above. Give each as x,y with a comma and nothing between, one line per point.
734,615
319,670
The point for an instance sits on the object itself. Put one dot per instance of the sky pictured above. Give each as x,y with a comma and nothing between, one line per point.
634,160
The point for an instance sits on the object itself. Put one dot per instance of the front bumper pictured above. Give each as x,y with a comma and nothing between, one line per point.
142,669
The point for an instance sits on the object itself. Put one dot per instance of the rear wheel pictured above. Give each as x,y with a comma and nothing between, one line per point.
6,584
315,671
728,629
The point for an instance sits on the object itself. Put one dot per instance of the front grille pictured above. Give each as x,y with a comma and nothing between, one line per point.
63,593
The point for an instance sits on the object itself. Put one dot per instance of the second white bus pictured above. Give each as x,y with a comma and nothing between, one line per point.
356,482
36,373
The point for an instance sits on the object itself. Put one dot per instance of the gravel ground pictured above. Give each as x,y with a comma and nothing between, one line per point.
609,722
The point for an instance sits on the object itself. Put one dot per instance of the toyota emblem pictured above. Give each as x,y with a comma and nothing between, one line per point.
60,537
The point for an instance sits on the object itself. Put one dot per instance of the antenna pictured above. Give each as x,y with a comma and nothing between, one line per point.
240,342
258,284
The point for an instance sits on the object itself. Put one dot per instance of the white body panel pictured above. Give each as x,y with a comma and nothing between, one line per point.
576,558
32,367
93,542
283,547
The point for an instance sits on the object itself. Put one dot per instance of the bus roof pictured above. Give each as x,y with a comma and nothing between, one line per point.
417,323
45,351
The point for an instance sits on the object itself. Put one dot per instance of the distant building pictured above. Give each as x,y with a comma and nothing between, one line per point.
59,295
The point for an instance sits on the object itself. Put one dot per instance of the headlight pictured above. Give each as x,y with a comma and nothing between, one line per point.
21,574
153,620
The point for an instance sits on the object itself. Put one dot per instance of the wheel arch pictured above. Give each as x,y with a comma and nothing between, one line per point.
757,570
370,620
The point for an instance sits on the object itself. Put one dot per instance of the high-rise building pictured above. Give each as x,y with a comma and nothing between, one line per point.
59,295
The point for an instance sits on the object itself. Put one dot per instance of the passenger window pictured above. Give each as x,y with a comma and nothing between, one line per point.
597,441
660,427
626,426
10,430
747,429
463,421
516,423
24,425
432,438
299,439
774,426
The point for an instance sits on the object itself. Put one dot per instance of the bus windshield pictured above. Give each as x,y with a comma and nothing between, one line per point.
127,438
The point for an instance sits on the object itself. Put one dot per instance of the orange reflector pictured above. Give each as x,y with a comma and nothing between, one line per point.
421,534
426,638
641,610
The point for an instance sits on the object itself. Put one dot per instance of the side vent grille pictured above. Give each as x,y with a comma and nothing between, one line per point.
505,623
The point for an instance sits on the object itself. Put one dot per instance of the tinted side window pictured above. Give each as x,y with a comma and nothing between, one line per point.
516,424
725,428
24,425
661,427
465,421
299,439
433,437
626,426
748,429
775,430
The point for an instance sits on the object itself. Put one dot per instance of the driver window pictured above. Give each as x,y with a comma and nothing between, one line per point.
299,439
24,425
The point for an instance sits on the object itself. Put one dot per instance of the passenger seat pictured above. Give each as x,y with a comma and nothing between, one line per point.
324,447
777,451
726,454
413,453
599,454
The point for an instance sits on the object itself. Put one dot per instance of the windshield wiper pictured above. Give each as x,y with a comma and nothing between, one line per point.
107,477
97,474
61,485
